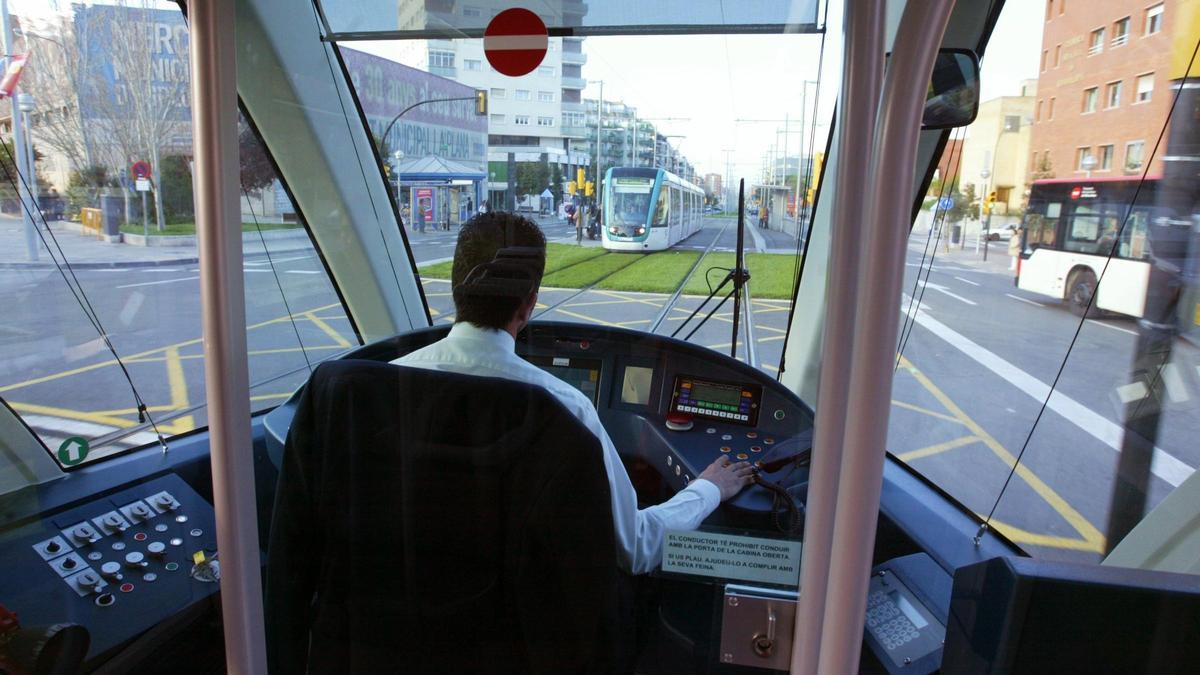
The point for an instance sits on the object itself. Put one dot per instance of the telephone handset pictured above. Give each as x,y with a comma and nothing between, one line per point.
783,457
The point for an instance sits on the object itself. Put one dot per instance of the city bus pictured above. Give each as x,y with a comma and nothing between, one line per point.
1085,238
210,463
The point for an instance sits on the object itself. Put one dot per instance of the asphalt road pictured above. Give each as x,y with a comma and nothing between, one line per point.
970,385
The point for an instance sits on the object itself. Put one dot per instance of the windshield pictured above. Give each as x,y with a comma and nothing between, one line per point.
1045,374
630,201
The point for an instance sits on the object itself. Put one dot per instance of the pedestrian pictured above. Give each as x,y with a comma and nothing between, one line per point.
484,207
470,206
1014,248
577,218
762,214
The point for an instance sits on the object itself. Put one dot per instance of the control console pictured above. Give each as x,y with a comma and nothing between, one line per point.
116,565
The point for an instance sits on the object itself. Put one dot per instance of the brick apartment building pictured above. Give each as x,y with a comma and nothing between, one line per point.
1102,88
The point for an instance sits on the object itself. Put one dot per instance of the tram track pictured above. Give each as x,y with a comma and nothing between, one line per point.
633,259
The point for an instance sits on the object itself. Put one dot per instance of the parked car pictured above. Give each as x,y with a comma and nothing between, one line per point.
1003,234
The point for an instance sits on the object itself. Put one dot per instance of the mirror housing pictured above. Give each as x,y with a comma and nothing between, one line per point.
953,96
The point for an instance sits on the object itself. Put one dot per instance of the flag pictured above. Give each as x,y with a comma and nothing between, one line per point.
12,75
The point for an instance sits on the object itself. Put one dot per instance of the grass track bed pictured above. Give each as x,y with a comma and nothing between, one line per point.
654,273
588,272
771,274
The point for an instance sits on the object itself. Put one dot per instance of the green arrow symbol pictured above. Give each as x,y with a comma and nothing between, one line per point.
73,451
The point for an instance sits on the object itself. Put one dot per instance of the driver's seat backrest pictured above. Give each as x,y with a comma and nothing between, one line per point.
433,522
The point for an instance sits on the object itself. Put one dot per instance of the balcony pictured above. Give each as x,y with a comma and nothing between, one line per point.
444,71
576,58
1120,39
579,107
573,82
574,131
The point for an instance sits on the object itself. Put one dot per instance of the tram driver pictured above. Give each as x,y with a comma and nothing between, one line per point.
483,341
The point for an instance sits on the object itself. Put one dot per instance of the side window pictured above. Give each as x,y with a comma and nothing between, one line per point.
102,300
663,209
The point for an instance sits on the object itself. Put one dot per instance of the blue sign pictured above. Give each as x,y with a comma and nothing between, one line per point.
945,203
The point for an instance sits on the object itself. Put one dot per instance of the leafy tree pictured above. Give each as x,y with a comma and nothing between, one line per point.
84,186
176,188
257,171
532,178
556,182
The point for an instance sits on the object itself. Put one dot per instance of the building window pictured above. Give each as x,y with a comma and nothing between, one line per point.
521,120
1112,95
1050,110
499,93
546,96
522,94
1090,96
1106,157
1134,155
549,122
1096,42
473,64
497,119
1038,116
438,59
1154,19
1045,57
1145,88
1082,154
1120,32
1057,54
546,70
1049,9
472,11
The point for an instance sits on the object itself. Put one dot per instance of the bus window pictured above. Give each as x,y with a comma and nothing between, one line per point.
1134,244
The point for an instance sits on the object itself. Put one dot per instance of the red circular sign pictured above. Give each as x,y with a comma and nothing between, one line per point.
140,169
515,42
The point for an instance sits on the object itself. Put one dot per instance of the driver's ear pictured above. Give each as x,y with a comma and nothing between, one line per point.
530,305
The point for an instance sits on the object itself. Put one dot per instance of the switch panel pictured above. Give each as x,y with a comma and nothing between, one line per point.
111,564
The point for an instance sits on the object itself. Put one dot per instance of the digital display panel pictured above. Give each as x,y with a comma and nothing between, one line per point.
731,401
583,374
635,386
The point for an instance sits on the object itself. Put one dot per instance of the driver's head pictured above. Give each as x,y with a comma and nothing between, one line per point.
478,241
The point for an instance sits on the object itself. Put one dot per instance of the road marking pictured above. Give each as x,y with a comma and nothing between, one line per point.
944,291
156,283
255,269
303,272
154,270
1091,536
1172,380
276,261
759,244
967,281
1109,325
925,411
1164,465
937,448
1029,302
329,330
1134,391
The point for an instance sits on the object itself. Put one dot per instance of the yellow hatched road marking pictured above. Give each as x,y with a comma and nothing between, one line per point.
586,318
1091,536
1021,536
97,418
938,448
329,330
925,411
625,298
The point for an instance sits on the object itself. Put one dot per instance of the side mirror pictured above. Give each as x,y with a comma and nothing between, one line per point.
953,98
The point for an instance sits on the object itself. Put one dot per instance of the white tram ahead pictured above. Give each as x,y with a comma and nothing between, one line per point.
649,209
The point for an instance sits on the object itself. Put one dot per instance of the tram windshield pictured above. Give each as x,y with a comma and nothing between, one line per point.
1047,369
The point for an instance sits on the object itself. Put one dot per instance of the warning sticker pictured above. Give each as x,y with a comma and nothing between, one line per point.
712,554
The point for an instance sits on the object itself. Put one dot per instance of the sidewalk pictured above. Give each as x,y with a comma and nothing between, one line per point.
88,252
997,261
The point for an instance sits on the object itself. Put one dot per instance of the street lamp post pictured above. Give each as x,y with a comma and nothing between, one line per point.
19,155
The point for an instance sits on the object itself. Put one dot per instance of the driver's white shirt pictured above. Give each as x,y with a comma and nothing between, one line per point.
470,350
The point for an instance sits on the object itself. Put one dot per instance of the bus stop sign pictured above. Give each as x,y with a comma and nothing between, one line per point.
515,42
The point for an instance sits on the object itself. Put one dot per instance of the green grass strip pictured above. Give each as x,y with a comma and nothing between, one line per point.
771,274
588,272
558,256
655,273
178,229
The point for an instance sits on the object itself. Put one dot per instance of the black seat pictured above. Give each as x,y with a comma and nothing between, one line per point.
434,522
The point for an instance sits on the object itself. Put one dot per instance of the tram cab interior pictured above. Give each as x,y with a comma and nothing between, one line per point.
193,535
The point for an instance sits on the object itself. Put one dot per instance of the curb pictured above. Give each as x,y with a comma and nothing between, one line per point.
46,266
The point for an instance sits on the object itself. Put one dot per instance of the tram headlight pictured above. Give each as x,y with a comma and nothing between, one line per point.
640,231
613,229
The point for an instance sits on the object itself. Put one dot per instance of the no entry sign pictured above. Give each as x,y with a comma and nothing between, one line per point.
140,169
515,42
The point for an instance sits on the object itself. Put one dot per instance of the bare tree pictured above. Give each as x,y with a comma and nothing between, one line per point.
138,93
53,78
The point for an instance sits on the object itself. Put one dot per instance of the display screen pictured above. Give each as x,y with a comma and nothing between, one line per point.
635,387
713,394
583,374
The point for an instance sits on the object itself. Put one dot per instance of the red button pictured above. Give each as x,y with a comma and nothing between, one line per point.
751,434
769,441
726,448
140,536
126,587
756,448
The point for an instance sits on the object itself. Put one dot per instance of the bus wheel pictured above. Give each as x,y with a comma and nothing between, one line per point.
1080,289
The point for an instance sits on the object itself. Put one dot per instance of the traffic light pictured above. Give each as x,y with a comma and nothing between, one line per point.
481,101
571,187
991,201
589,188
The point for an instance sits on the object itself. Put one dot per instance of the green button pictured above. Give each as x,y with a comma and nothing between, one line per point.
171,567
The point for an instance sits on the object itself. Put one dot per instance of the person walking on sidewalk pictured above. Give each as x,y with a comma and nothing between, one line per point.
1014,248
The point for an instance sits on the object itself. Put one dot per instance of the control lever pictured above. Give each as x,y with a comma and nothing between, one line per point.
801,458
764,645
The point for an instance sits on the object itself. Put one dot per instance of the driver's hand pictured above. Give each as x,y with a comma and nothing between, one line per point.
729,477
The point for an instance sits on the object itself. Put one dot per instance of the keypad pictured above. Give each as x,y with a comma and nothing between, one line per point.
887,622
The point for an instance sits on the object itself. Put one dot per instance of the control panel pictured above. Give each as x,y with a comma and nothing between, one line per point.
737,403
907,605
117,565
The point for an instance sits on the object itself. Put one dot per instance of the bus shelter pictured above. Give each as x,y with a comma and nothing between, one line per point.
438,192
780,207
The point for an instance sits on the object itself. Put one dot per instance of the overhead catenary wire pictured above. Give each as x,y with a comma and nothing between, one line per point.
76,288
1087,310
